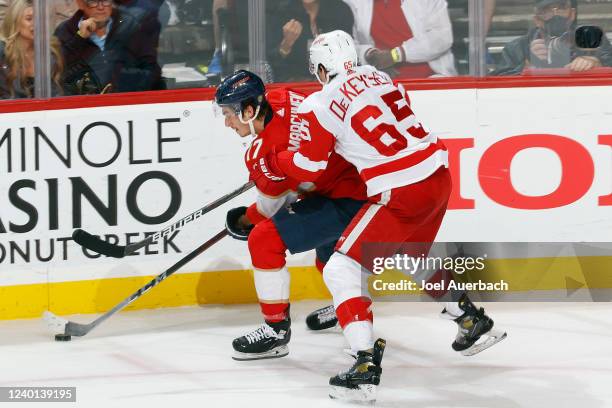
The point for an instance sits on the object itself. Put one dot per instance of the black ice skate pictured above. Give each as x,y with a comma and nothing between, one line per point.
473,324
360,381
267,341
321,319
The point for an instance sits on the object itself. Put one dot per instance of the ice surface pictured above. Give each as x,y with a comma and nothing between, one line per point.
556,355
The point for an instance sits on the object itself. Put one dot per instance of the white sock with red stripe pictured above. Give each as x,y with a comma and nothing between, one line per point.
273,292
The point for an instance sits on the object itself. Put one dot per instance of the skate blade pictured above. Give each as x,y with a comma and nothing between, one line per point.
277,352
491,338
364,393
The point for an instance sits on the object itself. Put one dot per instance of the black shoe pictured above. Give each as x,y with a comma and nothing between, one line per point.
359,382
321,319
472,325
267,341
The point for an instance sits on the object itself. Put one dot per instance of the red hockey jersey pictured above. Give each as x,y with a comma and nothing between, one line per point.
284,133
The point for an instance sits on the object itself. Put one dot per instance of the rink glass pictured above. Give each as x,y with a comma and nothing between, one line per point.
190,34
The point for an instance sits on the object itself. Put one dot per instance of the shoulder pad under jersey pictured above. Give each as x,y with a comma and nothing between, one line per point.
277,97
312,102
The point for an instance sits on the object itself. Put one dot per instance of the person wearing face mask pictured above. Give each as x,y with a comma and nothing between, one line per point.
550,43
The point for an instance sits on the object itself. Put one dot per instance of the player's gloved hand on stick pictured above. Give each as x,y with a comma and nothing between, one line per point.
235,224
267,166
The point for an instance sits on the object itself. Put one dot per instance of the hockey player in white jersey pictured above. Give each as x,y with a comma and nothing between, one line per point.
364,117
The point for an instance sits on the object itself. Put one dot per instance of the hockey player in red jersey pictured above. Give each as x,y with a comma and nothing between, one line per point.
364,117
277,222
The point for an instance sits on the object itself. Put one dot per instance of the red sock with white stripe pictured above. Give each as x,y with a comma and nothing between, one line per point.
274,312
355,318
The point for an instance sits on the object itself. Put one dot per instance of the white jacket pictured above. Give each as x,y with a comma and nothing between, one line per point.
431,29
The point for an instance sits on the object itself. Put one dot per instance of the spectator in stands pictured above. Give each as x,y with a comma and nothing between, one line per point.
147,9
407,38
17,53
292,25
60,10
550,43
146,13
106,50
149,5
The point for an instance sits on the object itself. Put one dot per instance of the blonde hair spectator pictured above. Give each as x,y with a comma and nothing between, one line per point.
60,10
17,53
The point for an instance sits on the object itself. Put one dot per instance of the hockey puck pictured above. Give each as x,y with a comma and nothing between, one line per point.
63,337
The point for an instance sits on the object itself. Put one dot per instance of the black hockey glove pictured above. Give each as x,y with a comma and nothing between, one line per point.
233,227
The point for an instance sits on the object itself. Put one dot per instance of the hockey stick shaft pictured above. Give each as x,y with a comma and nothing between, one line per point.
76,329
96,244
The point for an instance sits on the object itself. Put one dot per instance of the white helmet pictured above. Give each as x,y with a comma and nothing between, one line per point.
335,51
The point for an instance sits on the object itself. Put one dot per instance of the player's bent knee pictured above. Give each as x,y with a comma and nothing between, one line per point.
343,277
266,247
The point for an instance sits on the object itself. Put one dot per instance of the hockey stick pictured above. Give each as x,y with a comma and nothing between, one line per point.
91,242
62,326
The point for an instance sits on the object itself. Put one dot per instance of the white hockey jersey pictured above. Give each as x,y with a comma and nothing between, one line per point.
366,119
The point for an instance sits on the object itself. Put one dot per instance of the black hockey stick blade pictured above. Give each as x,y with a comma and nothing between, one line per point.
93,243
